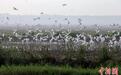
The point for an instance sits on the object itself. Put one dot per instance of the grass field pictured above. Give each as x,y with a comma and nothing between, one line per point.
45,70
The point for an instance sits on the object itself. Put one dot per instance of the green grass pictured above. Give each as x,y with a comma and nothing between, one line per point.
45,70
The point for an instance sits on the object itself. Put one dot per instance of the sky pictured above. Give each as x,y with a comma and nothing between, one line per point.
55,7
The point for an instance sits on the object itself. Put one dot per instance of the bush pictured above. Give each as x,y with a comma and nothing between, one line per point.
1,55
104,54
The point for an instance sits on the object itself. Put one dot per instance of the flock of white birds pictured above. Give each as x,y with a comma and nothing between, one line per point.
61,38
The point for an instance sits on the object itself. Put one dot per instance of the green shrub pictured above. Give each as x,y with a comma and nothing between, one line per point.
104,54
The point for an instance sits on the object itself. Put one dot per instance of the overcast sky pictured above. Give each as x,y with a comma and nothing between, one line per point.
54,7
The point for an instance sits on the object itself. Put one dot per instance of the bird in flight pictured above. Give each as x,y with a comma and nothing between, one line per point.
7,18
14,8
42,13
66,18
37,18
64,4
